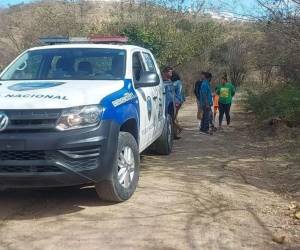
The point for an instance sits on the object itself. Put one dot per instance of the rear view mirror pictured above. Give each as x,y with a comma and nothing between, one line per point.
148,79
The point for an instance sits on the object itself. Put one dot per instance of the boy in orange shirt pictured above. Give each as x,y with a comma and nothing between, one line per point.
215,104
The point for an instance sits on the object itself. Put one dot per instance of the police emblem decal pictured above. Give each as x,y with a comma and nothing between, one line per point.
26,86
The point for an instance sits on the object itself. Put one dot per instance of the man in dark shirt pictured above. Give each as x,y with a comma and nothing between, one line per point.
167,74
205,100
197,86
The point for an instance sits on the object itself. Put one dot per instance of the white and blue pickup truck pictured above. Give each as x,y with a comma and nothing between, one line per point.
81,113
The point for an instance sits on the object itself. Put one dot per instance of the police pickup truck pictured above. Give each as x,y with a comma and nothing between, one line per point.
77,112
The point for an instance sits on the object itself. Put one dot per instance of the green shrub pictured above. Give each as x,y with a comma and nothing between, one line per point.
278,102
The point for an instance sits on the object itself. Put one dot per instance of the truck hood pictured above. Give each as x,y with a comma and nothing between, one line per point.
44,94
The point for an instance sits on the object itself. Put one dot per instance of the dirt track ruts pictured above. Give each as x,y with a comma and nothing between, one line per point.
213,192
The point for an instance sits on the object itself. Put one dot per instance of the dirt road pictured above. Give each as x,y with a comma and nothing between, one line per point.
227,191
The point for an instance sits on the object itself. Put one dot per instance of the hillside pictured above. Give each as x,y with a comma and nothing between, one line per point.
21,25
262,55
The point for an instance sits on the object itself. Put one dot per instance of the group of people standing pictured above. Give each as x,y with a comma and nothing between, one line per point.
220,99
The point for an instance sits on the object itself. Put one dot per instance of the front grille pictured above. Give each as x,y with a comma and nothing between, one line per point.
22,155
29,169
31,120
78,159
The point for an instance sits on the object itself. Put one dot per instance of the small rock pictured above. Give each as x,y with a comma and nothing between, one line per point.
293,205
279,240
297,215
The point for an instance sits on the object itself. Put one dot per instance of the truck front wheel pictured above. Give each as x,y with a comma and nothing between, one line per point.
125,172
164,143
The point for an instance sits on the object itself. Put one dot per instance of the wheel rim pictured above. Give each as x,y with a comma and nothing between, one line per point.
126,167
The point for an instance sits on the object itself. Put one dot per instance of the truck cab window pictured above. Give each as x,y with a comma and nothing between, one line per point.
149,63
137,66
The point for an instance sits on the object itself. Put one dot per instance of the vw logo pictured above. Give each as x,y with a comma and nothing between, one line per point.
3,121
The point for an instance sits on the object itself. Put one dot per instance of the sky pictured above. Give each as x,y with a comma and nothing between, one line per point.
7,2
234,6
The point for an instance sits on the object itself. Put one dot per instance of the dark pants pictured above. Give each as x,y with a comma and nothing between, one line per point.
211,119
177,127
224,109
205,119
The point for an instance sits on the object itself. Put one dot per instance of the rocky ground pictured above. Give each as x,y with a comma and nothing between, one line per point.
232,190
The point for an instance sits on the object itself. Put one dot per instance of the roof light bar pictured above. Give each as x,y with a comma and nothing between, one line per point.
54,40
78,40
93,39
108,39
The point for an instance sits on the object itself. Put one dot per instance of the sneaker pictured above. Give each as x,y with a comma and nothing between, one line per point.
180,129
204,132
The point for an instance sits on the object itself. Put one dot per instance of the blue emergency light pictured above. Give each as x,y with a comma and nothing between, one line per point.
50,40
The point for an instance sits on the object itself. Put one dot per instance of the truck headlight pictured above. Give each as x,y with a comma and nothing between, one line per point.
79,117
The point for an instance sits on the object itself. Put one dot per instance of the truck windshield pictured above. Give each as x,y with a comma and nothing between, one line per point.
68,64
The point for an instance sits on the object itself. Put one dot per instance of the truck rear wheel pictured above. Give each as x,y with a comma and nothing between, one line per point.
125,173
164,143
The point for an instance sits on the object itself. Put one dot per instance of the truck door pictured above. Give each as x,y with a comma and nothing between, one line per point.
157,96
145,96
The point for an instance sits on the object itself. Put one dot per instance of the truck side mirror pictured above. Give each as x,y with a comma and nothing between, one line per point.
147,79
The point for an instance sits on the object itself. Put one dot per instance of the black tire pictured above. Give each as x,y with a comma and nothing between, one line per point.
164,143
113,190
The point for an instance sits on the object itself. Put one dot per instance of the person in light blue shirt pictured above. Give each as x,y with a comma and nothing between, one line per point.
178,87
206,102
179,100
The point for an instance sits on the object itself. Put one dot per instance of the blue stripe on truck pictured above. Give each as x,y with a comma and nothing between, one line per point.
121,105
